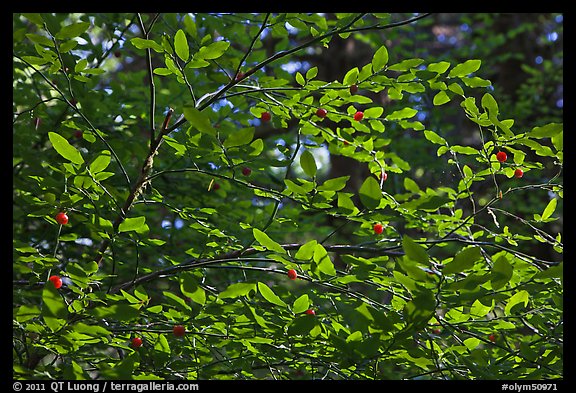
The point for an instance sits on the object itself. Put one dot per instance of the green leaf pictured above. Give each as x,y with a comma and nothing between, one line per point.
351,77
345,204
323,261
236,290
101,162
267,242
190,288
519,297
162,344
335,184
198,120
414,251
181,45
306,251
190,26
301,304
26,313
374,112
240,137
268,294
479,310
137,224
411,185
464,69
141,43
433,202
456,88
74,372
370,193
463,260
501,272
311,73
257,318
551,272
212,51
72,30
65,149
550,208
471,343
490,105
197,63
81,65
476,82
67,46
121,312
295,188
412,268
257,147
300,79
434,137
380,59
420,309
308,163
439,68
405,113
441,98
54,309
468,150
34,18
301,325
405,65
547,131
180,148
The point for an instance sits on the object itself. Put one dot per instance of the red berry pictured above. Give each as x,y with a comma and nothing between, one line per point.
501,156
292,275
246,171
436,331
518,173
358,116
57,281
117,54
62,218
265,116
321,112
136,342
492,338
310,312
384,175
378,228
78,134
353,89
179,330
215,186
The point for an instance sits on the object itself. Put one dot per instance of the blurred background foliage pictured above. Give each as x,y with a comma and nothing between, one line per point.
521,54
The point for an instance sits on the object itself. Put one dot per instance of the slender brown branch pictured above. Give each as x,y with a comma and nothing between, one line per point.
152,87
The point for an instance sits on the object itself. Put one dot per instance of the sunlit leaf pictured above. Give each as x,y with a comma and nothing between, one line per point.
65,149
308,163
370,193
181,45
266,241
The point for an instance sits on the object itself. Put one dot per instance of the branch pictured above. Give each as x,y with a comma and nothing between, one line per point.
241,256
146,33
282,54
92,128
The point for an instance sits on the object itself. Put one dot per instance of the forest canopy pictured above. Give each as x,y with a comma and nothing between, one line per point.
287,196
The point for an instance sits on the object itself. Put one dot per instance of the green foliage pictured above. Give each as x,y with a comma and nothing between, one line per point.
167,228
